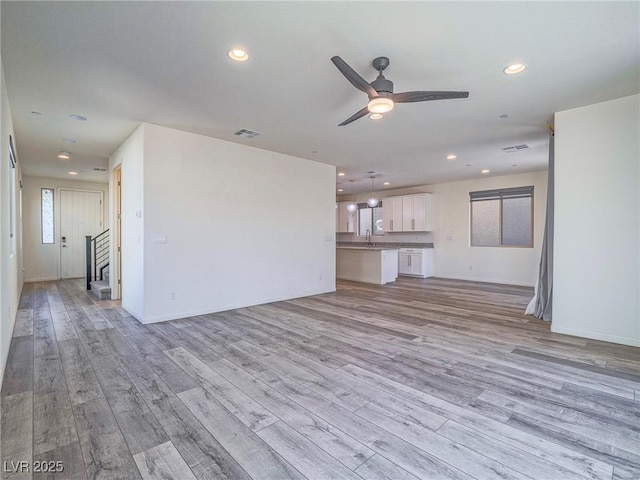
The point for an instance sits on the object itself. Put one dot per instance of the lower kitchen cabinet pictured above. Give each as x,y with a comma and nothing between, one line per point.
417,262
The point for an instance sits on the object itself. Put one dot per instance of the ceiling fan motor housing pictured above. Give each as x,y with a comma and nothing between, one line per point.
382,85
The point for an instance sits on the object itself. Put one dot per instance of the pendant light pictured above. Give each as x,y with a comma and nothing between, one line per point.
372,201
351,206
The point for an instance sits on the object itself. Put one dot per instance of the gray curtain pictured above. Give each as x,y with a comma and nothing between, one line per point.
540,305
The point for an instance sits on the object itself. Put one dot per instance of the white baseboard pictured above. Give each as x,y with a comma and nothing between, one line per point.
40,279
632,342
225,307
486,280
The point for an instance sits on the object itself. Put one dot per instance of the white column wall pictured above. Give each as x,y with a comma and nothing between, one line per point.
596,280
243,226
130,155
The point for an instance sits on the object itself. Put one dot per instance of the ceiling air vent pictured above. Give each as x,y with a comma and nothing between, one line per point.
516,148
96,169
244,132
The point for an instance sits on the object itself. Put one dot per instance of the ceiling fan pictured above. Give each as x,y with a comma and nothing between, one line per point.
380,91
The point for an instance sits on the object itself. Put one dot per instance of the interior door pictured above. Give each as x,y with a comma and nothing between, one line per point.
80,215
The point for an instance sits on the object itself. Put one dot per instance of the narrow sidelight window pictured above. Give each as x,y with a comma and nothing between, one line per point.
47,215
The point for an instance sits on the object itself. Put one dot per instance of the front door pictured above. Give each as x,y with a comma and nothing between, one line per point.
80,215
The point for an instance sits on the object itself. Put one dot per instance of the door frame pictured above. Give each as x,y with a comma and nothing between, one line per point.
116,238
58,217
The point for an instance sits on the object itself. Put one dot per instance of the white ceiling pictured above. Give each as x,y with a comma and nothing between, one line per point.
122,63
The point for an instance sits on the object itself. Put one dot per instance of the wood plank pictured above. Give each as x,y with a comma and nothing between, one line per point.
379,468
255,456
162,462
53,423
70,458
17,431
305,457
340,446
103,447
24,323
18,373
455,454
247,410
80,378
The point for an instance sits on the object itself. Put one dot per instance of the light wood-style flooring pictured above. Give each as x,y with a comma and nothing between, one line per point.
420,379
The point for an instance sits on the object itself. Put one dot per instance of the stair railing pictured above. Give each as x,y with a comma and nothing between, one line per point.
97,256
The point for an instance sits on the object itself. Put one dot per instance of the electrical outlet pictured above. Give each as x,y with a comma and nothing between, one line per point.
173,296
470,268
320,277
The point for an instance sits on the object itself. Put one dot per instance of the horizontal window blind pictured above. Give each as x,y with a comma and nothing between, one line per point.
515,192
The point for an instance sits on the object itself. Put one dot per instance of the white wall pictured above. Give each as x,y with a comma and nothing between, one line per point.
596,280
41,261
243,226
10,264
130,157
453,257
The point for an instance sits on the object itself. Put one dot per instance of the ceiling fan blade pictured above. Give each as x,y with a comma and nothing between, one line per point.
406,97
355,79
355,117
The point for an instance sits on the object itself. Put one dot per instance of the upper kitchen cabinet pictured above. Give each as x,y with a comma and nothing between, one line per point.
408,213
345,221
416,213
392,214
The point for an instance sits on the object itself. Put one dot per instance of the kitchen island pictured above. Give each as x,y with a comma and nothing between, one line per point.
369,264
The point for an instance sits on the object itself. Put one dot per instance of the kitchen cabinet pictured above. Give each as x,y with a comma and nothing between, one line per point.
407,213
416,213
392,214
417,262
345,221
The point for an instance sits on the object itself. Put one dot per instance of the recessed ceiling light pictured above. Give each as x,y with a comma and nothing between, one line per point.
514,68
341,190
504,115
451,157
341,174
314,151
238,54
376,116
514,165
486,170
78,117
469,165
73,173
69,140
35,112
64,155
386,183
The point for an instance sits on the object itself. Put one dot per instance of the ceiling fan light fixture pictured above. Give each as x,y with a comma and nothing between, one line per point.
514,68
238,54
380,105
376,116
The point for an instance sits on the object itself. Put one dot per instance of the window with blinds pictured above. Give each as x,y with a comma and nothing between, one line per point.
502,217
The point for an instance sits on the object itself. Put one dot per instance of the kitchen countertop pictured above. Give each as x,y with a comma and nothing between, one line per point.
366,247
383,246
